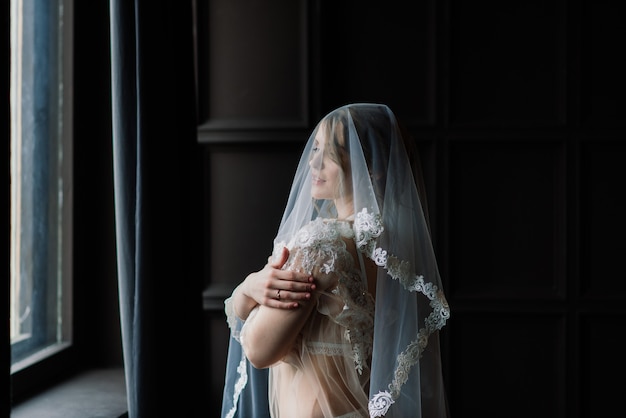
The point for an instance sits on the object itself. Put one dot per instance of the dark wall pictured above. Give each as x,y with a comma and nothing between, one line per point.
515,107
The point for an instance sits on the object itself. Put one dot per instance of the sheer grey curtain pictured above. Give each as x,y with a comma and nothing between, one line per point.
157,205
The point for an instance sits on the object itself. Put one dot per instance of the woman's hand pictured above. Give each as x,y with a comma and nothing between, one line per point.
273,287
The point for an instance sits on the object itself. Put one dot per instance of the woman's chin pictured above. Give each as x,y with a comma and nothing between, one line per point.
317,195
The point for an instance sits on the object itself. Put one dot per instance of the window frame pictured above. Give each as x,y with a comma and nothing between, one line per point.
37,370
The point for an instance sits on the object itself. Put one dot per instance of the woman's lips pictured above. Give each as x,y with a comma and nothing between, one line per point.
317,180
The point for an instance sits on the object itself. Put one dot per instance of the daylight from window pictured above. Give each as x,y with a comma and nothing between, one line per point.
40,179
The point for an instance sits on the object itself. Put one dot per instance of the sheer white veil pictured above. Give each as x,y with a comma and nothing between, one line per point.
382,181
392,230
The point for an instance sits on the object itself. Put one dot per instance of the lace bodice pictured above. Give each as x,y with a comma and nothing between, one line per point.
320,249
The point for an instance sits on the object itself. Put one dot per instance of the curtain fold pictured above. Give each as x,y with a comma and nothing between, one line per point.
157,202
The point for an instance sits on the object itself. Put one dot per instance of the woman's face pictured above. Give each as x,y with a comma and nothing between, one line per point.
327,173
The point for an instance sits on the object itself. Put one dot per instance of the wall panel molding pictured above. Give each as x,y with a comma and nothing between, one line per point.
252,64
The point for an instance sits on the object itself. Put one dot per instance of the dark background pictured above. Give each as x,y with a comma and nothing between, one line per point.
518,112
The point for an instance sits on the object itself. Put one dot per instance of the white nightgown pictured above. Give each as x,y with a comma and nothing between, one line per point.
326,373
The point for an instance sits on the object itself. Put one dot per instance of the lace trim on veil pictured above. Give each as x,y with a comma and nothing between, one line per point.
231,317
239,385
368,227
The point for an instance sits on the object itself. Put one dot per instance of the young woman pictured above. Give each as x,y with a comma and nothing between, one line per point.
345,316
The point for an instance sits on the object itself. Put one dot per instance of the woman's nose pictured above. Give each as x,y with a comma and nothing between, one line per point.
316,161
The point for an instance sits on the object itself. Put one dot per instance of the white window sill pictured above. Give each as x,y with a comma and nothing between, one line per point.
95,393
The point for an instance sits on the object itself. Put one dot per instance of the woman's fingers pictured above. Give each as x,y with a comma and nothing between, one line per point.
282,299
294,280
291,280
286,295
298,287
287,290
284,288
286,299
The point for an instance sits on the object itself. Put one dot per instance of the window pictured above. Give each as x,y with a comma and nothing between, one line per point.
41,176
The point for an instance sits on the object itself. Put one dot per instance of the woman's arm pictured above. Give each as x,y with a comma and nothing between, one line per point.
261,288
269,333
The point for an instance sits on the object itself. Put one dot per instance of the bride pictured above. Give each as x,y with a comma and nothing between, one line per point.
344,319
